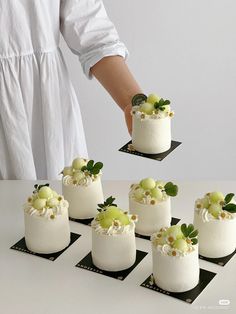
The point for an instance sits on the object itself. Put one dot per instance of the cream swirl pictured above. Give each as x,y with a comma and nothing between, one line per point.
85,180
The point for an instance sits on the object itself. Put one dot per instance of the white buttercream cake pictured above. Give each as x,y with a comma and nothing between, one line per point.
175,258
113,238
151,131
81,186
47,227
215,218
150,201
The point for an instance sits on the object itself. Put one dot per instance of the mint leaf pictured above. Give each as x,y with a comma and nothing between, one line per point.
184,229
231,208
193,234
190,229
171,189
228,197
90,164
194,241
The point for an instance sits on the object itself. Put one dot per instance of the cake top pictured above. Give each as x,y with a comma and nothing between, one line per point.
151,192
215,205
176,240
112,220
151,107
45,202
82,172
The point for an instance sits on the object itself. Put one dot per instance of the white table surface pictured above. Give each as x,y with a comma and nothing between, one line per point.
33,285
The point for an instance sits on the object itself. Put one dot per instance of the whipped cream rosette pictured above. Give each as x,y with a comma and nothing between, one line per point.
81,186
151,132
215,218
150,200
175,258
47,227
113,238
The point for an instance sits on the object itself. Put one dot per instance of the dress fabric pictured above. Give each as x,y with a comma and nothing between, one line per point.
41,128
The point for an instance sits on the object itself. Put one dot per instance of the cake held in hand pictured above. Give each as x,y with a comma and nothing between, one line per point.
150,201
215,218
113,238
47,227
81,186
151,132
175,258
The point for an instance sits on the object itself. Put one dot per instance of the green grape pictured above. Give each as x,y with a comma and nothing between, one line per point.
101,215
106,222
67,171
54,194
78,163
175,231
124,219
45,192
138,194
78,176
52,202
157,194
39,203
181,245
215,209
216,197
153,98
148,184
205,202
113,212
146,108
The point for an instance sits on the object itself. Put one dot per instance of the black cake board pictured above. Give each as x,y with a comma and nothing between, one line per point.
174,221
158,157
86,222
21,246
221,261
188,296
87,263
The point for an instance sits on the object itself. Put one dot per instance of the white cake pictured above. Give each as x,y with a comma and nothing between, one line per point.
151,131
82,189
174,269
217,227
113,242
47,227
151,204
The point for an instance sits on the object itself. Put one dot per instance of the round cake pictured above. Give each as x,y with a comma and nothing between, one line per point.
175,258
151,132
81,186
113,238
47,227
150,201
215,218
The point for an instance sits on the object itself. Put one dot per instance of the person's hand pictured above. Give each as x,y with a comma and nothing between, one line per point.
128,118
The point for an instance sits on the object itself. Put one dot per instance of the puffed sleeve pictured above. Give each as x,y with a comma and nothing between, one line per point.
89,32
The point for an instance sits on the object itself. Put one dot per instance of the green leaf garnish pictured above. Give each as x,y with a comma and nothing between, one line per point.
189,232
171,189
160,105
92,168
108,202
138,99
228,197
231,208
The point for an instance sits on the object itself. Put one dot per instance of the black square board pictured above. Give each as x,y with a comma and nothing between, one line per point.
158,157
188,296
87,263
21,246
222,261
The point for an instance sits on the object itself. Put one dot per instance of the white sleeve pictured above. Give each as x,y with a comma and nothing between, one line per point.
89,32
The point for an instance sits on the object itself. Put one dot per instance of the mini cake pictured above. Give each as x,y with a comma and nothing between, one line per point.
47,227
81,186
113,238
151,132
175,258
150,201
215,218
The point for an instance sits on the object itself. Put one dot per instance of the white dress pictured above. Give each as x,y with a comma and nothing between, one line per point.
41,128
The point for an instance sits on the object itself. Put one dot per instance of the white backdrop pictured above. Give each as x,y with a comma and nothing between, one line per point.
185,51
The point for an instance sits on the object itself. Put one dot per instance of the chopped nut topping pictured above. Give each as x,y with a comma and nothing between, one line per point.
174,253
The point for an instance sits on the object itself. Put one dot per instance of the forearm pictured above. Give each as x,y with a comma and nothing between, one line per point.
113,73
